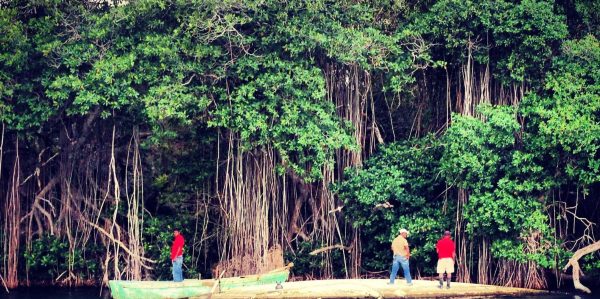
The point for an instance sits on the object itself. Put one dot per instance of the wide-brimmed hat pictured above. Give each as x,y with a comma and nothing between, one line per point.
404,231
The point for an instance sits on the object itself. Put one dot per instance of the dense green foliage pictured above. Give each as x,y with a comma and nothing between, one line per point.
510,170
50,258
400,187
518,39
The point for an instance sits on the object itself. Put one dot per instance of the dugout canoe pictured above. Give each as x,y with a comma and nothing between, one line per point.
125,289
129,289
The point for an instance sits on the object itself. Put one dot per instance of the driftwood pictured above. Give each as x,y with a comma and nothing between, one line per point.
574,262
326,248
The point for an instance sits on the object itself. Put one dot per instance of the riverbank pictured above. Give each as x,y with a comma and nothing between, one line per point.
372,288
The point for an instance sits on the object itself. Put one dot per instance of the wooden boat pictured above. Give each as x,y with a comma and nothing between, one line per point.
124,289
129,289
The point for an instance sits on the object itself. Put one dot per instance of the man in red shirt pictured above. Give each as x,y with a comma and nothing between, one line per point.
446,251
177,256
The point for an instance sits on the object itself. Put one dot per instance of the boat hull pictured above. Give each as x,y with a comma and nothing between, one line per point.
121,289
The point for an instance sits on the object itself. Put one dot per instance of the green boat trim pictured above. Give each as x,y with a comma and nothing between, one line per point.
122,289
125,289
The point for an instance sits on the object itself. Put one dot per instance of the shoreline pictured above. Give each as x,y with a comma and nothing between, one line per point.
372,288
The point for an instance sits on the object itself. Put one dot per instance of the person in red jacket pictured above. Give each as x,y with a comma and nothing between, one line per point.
177,256
446,251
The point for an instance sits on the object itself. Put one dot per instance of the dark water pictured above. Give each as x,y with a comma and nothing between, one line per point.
55,293
557,296
94,293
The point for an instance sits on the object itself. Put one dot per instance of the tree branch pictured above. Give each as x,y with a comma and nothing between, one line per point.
574,262
326,248
110,236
